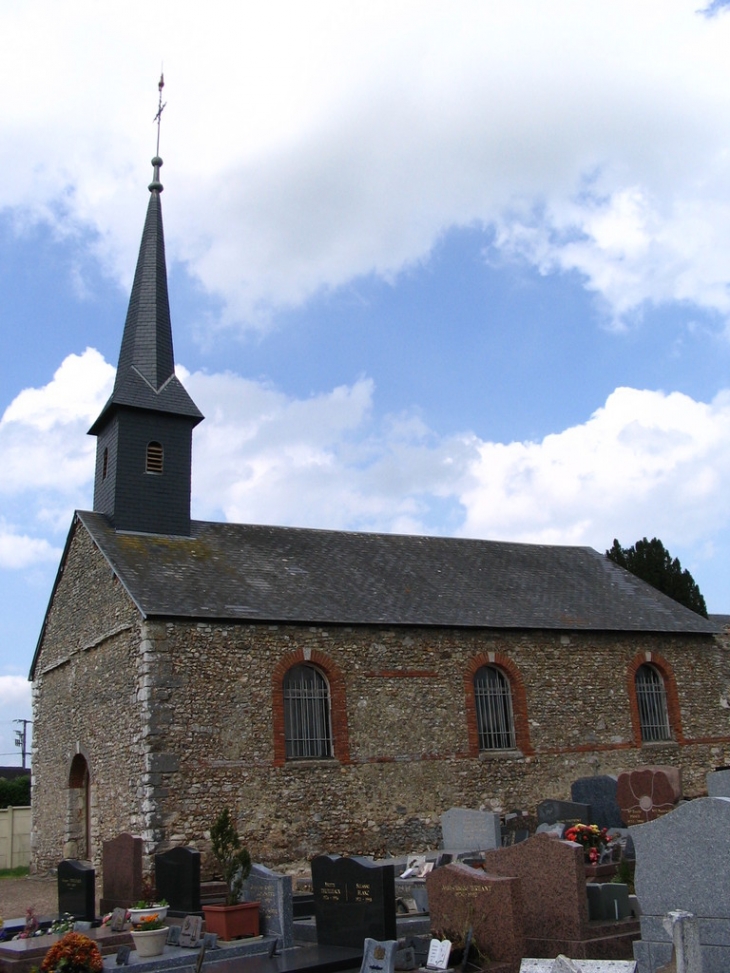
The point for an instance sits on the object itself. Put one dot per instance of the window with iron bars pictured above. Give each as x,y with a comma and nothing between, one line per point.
651,698
493,700
307,726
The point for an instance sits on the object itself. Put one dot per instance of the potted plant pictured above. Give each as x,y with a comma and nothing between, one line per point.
150,935
235,919
147,905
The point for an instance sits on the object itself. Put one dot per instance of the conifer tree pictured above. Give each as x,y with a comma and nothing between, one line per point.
652,562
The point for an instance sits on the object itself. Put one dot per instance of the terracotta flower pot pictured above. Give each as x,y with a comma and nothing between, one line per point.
232,921
151,942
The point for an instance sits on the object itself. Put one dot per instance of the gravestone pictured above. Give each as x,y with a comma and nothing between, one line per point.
552,887
681,865
718,783
379,957
467,830
177,879
76,889
461,898
118,919
191,931
273,892
354,899
122,872
646,793
567,812
599,792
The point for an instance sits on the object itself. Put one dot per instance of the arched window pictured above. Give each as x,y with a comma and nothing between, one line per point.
155,457
651,698
307,726
493,702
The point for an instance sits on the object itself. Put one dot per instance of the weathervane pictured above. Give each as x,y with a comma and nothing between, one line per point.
157,161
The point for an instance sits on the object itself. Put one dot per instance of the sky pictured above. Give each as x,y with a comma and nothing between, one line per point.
444,268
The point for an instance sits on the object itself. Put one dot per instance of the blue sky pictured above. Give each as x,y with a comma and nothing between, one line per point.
457,269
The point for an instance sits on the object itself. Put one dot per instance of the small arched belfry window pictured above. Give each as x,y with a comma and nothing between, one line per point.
307,725
651,698
155,458
493,702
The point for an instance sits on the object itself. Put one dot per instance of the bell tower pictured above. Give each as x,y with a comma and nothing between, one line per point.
144,432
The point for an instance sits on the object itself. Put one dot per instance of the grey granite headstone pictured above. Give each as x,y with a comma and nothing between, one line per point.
569,812
467,830
276,910
679,866
379,957
599,793
718,783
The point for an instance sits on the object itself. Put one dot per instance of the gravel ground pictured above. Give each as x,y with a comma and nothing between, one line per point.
17,894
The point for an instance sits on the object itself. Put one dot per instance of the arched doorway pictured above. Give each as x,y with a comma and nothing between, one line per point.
78,831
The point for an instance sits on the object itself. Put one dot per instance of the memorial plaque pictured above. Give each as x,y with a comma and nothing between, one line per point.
177,879
76,889
378,957
274,894
123,955
354,900
119,917
191,931
173,935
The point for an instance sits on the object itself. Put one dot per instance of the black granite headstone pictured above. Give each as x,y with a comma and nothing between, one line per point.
354,900
177,879
600,793
550,812
77,890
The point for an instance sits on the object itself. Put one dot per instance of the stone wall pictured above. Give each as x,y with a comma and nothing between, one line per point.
179,719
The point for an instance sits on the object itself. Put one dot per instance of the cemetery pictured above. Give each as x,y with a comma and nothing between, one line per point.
526,892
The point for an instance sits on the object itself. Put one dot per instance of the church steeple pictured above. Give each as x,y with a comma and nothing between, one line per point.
144,444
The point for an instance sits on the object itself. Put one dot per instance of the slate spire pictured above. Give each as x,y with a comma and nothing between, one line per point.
143,464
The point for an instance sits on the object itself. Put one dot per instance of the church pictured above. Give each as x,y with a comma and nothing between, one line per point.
337,690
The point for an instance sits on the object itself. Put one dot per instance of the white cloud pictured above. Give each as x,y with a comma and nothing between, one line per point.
14,694
310,143
21,551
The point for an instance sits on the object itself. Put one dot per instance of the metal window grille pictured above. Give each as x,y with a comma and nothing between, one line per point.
652,700
154,458
306,714
493,699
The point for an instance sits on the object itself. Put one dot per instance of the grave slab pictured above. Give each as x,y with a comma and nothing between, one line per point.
122,872
467,830
599,793
491,905
274,894
354,900
568,812
647,793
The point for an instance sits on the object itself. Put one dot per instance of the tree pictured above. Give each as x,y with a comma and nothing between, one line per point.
15,792
652,562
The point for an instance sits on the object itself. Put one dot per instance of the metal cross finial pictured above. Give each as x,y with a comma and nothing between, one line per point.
160,109
157,161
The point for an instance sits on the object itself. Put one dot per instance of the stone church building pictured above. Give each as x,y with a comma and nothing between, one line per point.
337,690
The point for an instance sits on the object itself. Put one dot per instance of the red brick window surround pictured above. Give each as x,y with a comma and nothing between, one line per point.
653,699
307,679
499,678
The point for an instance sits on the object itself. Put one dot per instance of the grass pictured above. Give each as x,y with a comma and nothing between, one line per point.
18,872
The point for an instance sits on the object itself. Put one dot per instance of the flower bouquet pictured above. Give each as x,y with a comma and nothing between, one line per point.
594,840
73,953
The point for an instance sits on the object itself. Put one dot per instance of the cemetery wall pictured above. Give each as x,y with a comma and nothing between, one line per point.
176,719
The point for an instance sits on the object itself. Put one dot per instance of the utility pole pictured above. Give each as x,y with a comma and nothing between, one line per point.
21,737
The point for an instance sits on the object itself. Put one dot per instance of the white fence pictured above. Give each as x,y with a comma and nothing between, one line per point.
15,837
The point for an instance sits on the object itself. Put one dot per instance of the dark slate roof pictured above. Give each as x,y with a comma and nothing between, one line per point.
146,370
285,574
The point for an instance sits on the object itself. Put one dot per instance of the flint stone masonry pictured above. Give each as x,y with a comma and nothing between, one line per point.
185,713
